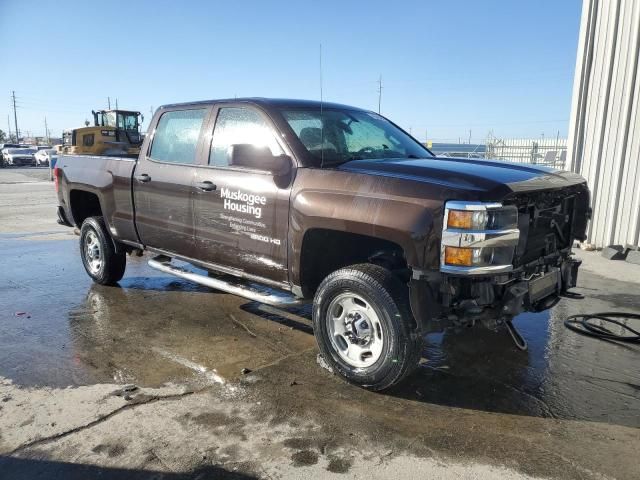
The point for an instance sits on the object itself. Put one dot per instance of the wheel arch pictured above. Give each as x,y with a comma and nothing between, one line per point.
325,250
84,204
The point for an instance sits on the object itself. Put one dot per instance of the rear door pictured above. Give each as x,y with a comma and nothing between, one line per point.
241,214
163,181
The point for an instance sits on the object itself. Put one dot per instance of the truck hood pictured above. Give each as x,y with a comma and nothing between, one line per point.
489,178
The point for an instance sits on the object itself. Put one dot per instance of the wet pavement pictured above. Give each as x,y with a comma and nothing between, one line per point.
569,407
59,329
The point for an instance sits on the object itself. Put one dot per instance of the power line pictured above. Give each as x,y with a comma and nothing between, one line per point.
379,93
15,115
47,109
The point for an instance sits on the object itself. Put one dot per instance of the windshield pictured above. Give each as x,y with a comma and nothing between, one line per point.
109,119
338,136
17,151
128,121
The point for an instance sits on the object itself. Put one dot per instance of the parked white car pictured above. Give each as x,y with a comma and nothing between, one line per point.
46,157
18,156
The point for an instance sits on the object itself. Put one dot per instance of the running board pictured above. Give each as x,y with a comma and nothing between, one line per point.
259,294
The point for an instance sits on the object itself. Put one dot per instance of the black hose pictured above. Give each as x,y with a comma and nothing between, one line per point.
518,339
582,324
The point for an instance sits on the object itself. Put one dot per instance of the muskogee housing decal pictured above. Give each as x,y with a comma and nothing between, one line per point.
243,202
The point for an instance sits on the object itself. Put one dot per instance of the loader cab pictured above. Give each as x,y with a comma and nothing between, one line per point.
125,123
67,138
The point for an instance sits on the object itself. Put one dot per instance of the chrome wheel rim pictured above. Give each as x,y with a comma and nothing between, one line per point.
354,330
92,252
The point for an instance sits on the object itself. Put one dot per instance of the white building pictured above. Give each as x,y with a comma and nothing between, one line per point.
604,131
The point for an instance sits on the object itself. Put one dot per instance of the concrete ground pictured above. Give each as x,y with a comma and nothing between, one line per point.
145,380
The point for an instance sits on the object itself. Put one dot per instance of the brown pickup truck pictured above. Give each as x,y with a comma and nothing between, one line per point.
289,201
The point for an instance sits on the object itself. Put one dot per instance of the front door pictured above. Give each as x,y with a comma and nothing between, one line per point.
241,215
163,182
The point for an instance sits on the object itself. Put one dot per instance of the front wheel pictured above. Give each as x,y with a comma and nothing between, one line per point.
99,257
364,328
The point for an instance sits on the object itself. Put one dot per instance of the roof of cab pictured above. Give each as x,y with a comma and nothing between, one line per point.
268,102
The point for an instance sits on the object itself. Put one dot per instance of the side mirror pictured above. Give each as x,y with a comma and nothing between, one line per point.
259,158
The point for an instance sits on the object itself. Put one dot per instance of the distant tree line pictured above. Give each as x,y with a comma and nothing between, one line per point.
5,138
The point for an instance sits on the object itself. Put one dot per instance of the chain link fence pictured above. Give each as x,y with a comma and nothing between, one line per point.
550,152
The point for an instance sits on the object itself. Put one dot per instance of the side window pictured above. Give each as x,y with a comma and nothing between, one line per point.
176,136
87,140
239,125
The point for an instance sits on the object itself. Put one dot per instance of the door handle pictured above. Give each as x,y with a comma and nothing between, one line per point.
206,186
144,178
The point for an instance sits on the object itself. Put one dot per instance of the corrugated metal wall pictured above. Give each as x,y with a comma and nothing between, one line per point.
604,132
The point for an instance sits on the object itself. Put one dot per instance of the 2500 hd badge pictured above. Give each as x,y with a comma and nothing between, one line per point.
385,239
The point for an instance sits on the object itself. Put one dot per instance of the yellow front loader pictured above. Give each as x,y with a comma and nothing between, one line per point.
115,132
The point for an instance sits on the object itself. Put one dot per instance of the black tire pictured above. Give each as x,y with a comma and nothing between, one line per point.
110,268
388,297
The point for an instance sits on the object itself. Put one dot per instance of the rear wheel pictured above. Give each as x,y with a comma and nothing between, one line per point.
364,327
99,257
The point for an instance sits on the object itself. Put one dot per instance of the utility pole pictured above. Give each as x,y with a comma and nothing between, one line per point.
116,103
469,136
46,130
9,125
379,93
109,103
15,116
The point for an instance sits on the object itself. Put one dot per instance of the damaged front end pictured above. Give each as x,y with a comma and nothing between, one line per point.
498,260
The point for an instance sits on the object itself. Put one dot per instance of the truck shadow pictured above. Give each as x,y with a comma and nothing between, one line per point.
481,369
26,468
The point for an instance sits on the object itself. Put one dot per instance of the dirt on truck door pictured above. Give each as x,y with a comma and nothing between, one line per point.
241,214
163,182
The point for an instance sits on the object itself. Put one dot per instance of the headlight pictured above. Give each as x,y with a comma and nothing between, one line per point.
478,238
481,216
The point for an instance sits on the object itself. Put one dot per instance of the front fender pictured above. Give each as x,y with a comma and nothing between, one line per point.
372,206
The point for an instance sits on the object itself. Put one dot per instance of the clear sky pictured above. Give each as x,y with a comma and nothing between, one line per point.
446,66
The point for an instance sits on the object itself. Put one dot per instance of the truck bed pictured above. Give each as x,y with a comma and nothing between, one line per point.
109,179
